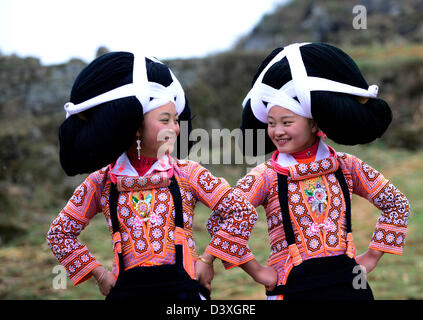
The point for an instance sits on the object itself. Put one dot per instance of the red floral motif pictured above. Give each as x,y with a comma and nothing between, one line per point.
207,182
79,195
370,173
313,169
246,183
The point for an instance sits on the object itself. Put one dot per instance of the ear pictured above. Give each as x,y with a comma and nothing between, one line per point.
314,127
362,100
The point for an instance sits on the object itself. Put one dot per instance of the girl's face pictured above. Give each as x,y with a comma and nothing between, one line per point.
159,131
290,132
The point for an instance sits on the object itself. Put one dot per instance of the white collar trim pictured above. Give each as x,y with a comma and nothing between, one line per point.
287,160
123,166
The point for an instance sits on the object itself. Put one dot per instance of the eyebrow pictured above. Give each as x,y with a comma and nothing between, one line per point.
168,114
281,118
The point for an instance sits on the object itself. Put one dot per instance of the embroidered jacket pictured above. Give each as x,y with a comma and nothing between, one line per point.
317,209
146,217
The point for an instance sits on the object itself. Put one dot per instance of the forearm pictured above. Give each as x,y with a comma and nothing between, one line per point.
369,259
62,239
390,231
264,275
230,233
98,272
375,254
252,267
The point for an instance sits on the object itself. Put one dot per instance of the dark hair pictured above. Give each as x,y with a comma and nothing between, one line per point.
109,128
340,116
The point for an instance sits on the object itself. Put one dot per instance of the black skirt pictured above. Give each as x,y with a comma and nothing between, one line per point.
165,282
327,278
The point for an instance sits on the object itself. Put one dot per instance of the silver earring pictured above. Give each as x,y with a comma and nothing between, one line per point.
139,147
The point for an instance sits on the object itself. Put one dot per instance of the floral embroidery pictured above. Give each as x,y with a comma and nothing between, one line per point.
154,219
207,182
79,195
141,196
316,195
327,225
246,183
142,204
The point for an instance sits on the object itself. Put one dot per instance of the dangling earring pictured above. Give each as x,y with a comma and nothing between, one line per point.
139,146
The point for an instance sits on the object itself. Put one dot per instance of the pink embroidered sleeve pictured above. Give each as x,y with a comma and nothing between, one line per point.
62,236
252,188
391,227
255,186
236,216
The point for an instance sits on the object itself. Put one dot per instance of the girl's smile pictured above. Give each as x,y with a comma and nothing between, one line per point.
158,131
290,132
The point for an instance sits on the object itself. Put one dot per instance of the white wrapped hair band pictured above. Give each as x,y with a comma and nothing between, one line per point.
300,86
150,94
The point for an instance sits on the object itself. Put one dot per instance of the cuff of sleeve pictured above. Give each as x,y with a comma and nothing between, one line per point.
389,239
87,275
79,265
232,252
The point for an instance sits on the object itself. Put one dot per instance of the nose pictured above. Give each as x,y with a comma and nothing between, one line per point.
279,131
175,127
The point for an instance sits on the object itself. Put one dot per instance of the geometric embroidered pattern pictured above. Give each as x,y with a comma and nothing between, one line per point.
147,242
317,208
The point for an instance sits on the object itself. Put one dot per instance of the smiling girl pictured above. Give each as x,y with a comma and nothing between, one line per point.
121,125
306,187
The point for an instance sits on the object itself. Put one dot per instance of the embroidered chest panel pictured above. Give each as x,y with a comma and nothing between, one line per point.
317,207
145,223
146,219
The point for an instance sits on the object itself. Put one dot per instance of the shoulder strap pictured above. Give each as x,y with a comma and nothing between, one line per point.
283,202
179,220
177,201
113,198
341,179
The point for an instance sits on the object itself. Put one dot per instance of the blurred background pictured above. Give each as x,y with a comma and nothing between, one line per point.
214,48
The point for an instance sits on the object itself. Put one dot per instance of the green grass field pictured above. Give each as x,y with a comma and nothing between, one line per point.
27,265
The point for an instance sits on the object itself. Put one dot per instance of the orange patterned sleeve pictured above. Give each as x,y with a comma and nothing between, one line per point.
253,188
62,236
236,216
389,234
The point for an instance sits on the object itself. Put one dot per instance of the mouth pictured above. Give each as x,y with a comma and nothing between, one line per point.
169,139
167,136
282,142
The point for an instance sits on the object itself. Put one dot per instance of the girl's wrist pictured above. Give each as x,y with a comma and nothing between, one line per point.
98,272
209,262
207,258
102,277
377,254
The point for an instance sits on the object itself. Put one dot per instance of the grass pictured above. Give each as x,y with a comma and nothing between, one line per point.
27,263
